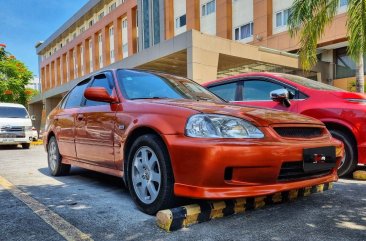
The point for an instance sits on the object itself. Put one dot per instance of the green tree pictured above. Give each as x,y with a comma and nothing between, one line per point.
14,76
308,20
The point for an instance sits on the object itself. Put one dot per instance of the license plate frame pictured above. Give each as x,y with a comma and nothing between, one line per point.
319,159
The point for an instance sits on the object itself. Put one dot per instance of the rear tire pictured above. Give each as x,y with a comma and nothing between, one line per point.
55,165
25,145
149,174
349,163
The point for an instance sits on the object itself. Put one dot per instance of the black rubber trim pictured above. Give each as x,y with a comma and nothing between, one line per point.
179,214
205,214
229,209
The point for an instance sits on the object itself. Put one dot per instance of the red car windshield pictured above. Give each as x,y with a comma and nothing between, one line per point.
309,83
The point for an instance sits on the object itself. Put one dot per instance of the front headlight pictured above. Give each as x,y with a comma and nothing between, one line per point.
220,126
28,128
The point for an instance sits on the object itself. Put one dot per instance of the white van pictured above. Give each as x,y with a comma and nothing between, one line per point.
15,125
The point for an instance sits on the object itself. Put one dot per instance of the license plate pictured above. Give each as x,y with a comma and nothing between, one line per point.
7,140
319,159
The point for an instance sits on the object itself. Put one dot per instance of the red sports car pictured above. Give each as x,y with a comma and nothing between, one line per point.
344,113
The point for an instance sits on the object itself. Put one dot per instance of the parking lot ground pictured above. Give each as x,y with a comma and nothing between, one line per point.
100,206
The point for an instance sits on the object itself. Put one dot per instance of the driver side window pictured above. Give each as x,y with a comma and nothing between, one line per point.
260,90
101,80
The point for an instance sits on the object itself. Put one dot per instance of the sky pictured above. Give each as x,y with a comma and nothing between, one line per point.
25,22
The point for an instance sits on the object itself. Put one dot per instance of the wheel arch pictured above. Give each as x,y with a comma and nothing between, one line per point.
345,129
49,135
133,135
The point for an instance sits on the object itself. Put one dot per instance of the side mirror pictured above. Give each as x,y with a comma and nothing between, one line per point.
99,94
33,117
281,96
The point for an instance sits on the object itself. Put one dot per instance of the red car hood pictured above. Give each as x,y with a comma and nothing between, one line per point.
259,116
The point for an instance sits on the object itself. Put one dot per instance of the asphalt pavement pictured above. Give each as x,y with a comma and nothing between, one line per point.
100,208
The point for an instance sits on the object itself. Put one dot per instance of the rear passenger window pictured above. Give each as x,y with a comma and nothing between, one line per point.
225,91
74,98
102,80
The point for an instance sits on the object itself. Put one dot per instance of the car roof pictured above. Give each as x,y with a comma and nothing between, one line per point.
264,74
11,105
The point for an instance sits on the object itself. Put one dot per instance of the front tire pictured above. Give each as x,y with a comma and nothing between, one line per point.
55,165
25,145
349,161
149,174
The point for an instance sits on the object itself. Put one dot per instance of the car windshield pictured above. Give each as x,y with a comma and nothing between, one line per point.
309,83
145,85
13,112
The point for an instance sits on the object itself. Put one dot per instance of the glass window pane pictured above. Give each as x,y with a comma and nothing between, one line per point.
259,89
76,95
245,31
145,19
203,10
156,22
101,81
183,20
225,91
279,19
237,34
285,16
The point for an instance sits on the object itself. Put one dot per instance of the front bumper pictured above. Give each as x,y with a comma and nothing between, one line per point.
201,166
9,139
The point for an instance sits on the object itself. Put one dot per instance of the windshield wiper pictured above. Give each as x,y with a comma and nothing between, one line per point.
154,97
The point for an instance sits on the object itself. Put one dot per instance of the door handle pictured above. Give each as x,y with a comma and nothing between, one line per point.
80,117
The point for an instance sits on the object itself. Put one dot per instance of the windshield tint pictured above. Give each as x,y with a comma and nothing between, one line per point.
309,83
13,112
145,85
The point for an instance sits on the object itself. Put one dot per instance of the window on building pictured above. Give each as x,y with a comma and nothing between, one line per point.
124,23
244,31
82,29
67,40
100,16
112,7
111,31
180,21
54,50
208,8
112,54
74,35
100,38
91,22
282,18
60,45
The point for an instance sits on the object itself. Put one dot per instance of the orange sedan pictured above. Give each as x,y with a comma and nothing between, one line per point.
169,137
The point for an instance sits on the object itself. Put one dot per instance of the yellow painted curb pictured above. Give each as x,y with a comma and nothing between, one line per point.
359,175
184,216
37,143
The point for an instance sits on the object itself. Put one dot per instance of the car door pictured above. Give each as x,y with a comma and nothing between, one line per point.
256,92
64,120
95,123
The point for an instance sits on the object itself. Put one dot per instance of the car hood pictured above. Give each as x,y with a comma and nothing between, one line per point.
259,116
15,122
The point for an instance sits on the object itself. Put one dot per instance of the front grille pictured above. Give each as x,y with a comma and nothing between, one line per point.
12,128
294,171
299,132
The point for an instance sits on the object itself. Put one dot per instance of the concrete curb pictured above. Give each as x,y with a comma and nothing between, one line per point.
184,216
359,175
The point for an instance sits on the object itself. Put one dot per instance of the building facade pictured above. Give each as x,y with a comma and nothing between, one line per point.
199,39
